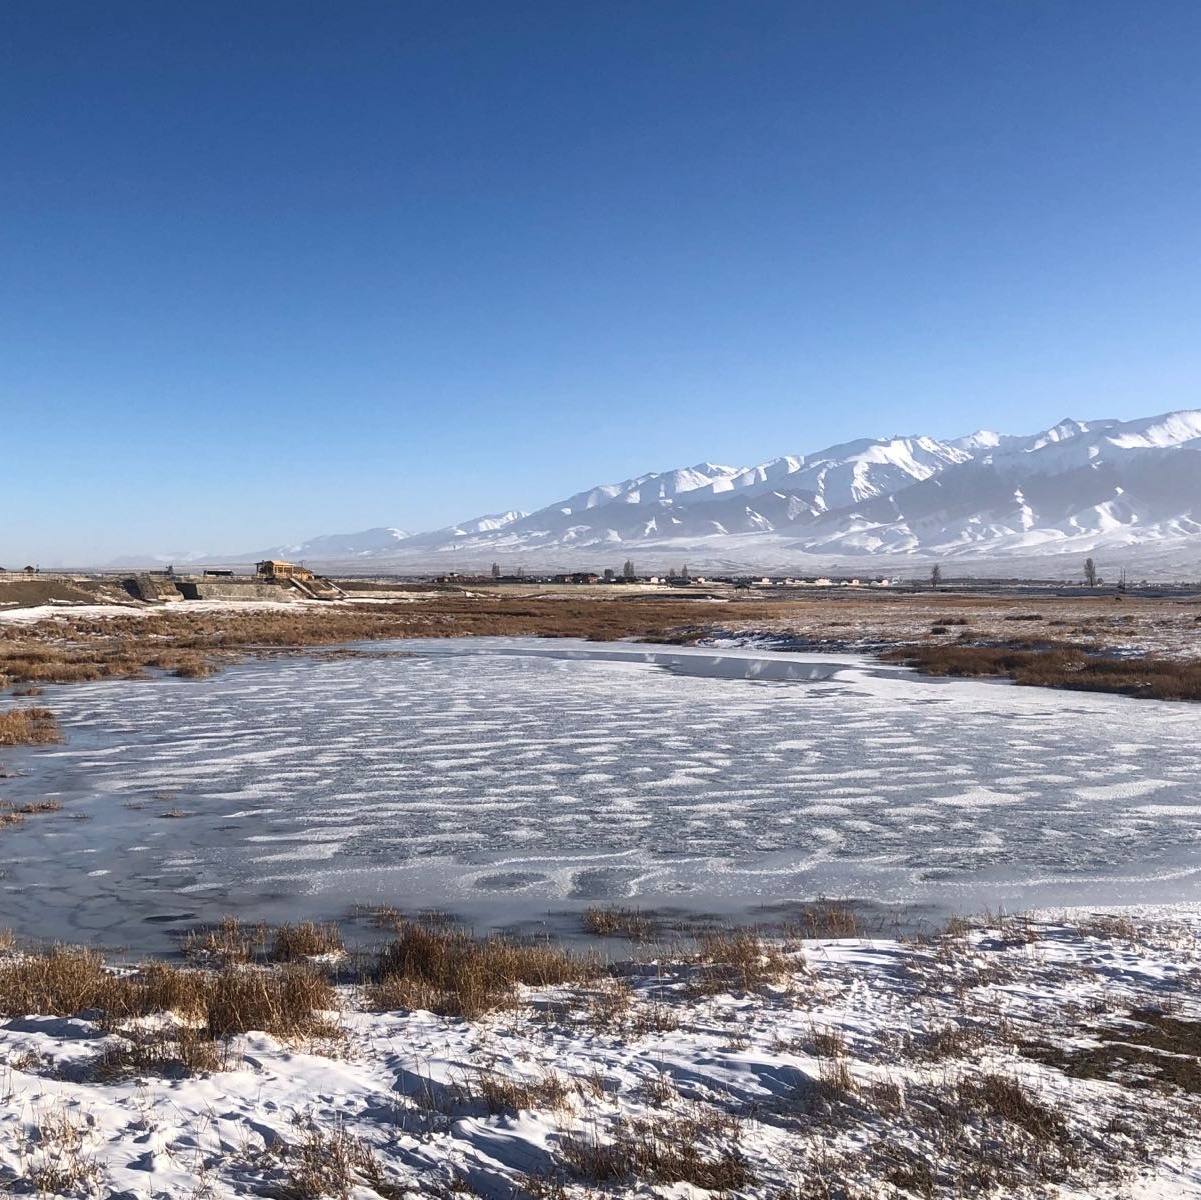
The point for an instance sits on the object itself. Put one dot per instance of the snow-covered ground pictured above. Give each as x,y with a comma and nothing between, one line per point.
509,780
1016,1060
66,612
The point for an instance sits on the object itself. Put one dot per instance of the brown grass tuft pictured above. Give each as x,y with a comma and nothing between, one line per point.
229,941
455,974
31,726
321,1164
630,923
1013,1102
700,1150
739,959
824,919
305,940
289,1001
503,1094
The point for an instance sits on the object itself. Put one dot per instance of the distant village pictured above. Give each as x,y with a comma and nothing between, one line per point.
281,579
672,577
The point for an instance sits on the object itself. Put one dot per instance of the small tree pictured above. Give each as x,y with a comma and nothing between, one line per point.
496,570
935,575
1090,572
628,570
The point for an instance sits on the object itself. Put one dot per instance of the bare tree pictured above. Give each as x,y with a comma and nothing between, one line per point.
1090,572
496,570
628,570
935,575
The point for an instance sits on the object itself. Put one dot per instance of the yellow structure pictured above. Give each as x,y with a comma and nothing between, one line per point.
274,568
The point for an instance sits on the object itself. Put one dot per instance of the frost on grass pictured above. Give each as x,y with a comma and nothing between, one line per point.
1007,1059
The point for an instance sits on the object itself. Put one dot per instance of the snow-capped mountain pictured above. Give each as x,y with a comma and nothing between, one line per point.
1129,489
369,542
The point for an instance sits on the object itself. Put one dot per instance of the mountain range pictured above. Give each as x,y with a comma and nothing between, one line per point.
994,503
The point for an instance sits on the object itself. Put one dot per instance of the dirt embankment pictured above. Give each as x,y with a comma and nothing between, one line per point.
27,593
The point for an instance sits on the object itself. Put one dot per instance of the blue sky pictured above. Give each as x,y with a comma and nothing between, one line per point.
271,270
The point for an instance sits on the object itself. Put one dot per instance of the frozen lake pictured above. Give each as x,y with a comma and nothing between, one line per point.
505,779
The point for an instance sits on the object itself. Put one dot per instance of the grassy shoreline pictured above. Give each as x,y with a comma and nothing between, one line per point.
1094,650
1002,1057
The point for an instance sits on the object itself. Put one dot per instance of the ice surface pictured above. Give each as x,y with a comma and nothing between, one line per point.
506,778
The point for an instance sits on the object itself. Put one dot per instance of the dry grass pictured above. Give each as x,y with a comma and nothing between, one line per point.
191,644
453,973
229,941
322,1164
55,1161
825,919
189,666
630,923
1010,1100
15,814
739,959
701,1150
1148,1049
34,807
945,1040
61,982
31,726
306,940
289,1001
176,1053
504,1094
1059,665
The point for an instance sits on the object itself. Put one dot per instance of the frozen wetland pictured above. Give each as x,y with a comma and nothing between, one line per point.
508,779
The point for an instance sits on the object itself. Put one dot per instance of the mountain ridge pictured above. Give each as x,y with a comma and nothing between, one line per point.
1073,488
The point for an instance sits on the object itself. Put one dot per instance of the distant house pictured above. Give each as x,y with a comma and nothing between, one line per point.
274,568
578,577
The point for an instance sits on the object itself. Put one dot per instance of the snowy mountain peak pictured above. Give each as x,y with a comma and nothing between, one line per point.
488,524
982,439
1072,489
1170,429
368,543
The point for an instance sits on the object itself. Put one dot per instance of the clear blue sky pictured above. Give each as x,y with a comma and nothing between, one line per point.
275,269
